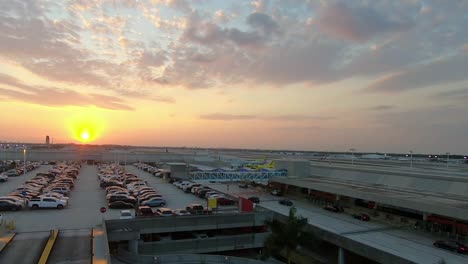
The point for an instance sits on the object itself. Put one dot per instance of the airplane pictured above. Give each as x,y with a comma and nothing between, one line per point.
270,165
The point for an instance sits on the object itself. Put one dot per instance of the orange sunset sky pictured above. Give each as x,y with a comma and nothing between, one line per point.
388,76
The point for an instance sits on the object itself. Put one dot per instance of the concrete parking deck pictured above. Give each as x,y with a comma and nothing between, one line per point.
367,238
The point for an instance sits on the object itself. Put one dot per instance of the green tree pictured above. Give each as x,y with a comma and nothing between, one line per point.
286,236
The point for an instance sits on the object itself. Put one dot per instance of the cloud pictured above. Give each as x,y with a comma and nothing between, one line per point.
452,69
357,23
298,118
297,128
51,96
263,22
381,107
207,33
281,118
226,117
458,95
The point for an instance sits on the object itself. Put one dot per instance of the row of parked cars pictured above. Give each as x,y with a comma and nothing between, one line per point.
125,190
46,190
203,192
155,171
144,210
18,170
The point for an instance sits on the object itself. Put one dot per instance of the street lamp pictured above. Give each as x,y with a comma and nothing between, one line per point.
352,157
448,157
24,160
411,158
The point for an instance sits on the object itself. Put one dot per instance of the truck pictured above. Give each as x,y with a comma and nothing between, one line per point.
46,202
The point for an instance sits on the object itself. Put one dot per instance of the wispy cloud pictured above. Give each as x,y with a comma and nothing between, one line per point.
226,117
55,97
281,118
382,107
451,69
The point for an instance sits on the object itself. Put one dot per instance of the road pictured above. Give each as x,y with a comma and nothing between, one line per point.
26,248
72,246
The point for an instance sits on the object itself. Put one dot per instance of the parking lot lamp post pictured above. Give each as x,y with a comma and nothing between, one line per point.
24,160
352,155
411,159
448,157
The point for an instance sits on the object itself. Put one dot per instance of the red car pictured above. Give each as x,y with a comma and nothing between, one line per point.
361,216
225,201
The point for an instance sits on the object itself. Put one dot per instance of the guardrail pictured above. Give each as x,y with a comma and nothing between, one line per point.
49,246
190,259
100,245
205,245
186,223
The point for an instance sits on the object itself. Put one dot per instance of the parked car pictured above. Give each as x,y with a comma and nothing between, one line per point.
361,216
285,202
149,197
3,177
243,185
225,201
254,199
6,205
154,202
123,198
276,192
117,193
164,212
451,245
47,202
181,212
126,214
145,211
197,209
333,208
120,205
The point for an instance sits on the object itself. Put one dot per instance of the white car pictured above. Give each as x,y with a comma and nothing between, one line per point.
108,196
181,212
55,195
183,184
126,214
47,202
3,177
135,186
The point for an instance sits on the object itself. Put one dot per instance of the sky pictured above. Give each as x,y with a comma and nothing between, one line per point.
374,76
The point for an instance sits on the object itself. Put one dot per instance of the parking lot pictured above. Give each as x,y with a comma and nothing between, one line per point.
85,201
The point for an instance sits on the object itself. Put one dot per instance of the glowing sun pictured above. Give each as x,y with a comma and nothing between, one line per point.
85,136
86,126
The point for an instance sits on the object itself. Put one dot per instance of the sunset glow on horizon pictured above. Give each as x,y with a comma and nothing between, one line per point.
237,74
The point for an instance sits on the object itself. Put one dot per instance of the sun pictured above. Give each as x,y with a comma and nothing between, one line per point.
86,126
85,136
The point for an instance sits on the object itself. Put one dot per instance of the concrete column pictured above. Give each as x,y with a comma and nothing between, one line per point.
133,246
341,256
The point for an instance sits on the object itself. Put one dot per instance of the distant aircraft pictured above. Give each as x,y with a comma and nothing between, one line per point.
270,165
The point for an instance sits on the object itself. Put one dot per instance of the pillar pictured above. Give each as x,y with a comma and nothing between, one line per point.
341,256
133,246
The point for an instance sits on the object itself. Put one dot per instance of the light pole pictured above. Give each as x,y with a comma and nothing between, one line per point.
24,160
411,159
352,155
448,157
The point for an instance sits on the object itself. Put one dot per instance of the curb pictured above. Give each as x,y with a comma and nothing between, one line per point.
7,242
